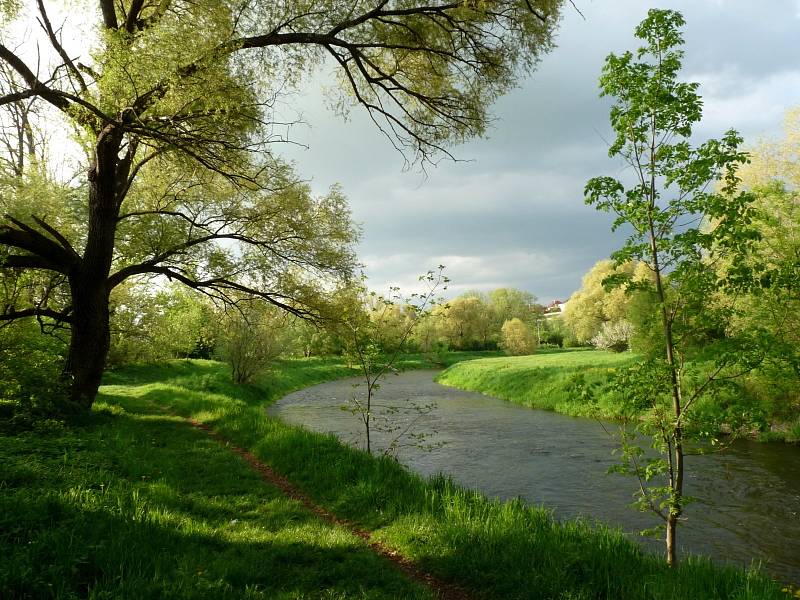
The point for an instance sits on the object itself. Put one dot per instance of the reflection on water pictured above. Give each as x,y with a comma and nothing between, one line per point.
747,498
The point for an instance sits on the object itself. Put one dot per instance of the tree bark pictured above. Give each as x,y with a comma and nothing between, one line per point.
90,338
672,536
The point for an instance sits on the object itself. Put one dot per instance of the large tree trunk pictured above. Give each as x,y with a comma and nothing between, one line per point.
91,339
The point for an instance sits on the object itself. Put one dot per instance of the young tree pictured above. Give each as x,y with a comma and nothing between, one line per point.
174,107
671,195
251,335
363,328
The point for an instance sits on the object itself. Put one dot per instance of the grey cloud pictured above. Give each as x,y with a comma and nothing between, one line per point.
514,214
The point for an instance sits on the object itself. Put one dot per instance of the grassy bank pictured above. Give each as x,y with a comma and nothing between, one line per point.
545,380
136,503
541,380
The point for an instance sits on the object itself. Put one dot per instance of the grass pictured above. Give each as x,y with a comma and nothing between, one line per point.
136,503
541,380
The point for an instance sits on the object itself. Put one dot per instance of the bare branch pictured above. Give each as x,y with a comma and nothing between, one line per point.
45,23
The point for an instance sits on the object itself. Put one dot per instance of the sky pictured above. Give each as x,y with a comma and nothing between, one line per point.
511,212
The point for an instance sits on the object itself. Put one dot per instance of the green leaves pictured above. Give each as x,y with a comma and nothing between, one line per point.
686,217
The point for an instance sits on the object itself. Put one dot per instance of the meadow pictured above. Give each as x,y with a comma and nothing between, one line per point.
135,502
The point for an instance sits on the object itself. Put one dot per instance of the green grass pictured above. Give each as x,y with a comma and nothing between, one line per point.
136,503
541,380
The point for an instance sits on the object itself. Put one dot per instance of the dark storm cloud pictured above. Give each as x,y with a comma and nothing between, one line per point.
514,214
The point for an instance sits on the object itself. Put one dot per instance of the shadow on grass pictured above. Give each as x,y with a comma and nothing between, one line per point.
141,505
97,552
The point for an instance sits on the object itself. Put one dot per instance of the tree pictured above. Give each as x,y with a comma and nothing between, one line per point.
593,304
148,325
363,327
250,337
517,338
773,176
466,322
174,108
672,193
510,303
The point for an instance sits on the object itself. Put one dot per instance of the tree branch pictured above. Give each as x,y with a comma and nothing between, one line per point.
27,238
45,23
12,315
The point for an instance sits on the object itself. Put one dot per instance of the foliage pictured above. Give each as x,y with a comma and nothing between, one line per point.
517,338
594,303
671,194
509,303
465,322
251,336
173,108
773,177
148,325
32,389
614,336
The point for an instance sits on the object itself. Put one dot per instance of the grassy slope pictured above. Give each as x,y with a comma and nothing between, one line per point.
138,504
540,380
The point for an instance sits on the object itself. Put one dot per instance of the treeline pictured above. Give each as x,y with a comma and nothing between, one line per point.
152,324
176,323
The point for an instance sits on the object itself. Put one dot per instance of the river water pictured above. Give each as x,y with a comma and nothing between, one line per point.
747,498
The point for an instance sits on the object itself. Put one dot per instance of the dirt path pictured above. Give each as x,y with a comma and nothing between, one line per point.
444,590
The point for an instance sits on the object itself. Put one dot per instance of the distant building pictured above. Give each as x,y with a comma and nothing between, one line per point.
554,309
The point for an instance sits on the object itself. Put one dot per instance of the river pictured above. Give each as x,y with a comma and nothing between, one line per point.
747,498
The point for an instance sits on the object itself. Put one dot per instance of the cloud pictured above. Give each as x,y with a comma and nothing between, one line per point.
514,215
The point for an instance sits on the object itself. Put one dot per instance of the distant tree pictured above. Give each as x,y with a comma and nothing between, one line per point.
173,106
510,303
594,304
670,195
151,325
251,336
466,322
517,337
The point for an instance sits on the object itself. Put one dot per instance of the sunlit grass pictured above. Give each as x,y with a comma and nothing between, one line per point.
541,380
139,504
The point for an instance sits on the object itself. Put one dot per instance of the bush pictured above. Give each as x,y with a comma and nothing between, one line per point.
250,339
32,389
613,336
517,338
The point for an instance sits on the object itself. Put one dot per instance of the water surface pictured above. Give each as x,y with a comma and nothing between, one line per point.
747,498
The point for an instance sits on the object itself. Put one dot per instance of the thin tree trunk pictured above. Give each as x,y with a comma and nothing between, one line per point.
672,546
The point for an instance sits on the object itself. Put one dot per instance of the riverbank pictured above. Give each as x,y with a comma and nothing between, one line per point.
546,381
542,380
136,502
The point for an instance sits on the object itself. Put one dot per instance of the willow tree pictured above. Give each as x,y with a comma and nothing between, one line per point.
173,103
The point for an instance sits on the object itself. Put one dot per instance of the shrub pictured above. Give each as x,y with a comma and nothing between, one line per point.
517,338
32,389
